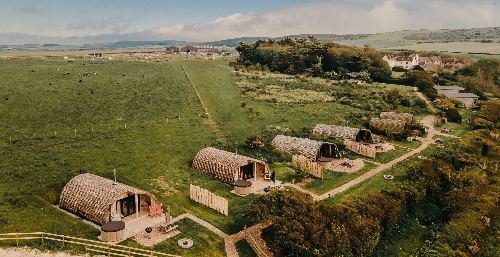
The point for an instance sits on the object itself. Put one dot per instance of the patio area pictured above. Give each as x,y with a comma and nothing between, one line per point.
135,224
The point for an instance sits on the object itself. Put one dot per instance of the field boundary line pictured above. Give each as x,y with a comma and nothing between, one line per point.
196,91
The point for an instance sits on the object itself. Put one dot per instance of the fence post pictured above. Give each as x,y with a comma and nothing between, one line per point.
129,251
63,240
17,239
86,249
109,250
42,238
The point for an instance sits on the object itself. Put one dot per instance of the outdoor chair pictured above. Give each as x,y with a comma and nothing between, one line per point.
159,209
152,210
116,217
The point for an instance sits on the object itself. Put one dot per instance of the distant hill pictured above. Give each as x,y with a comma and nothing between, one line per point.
387,40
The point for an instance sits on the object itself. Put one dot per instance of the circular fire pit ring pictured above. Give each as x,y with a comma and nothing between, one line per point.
185,243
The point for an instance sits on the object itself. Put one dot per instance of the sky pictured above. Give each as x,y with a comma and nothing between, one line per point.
99,21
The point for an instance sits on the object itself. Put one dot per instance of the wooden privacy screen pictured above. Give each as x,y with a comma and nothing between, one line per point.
316,169
205,197
360,148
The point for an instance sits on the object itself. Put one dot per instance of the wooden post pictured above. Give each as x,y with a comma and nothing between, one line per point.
151,253
75,132
109,250
86,249
17,239
129,251
63,241
42,238
167,120
55,133
92,129
125,125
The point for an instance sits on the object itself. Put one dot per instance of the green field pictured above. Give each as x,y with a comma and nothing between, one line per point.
145,120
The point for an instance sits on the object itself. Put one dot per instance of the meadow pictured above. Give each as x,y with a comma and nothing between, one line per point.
144,120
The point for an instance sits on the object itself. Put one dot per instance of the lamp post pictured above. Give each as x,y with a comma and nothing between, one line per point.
114,172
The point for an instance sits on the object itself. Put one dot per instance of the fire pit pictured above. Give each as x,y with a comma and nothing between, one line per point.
185,243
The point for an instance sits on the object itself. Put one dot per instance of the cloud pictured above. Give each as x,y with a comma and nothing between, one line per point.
336,18
340,17
115,24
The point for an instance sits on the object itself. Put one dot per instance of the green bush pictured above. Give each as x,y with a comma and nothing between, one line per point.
454,116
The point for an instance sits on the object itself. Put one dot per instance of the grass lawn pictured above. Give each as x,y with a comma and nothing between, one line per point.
383,157
373,184
333,179
412,144
284,172
244,249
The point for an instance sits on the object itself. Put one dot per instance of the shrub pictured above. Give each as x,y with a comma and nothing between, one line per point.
255,141
480,123
398,68
453,116
301,171
444,104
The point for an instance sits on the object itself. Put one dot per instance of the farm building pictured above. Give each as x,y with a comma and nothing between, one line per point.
341,132
448,89
311,149
469,99
229,167
96,198
405,117
382,124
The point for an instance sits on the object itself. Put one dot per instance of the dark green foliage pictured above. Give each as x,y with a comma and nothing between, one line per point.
322,58
399,69
302,227
453,116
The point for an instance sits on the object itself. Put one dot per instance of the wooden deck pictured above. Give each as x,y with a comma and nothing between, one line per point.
134,225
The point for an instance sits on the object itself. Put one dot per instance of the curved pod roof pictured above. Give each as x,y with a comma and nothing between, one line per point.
90,196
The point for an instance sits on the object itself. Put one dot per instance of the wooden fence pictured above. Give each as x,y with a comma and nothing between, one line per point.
89,245
360,148
205,197
315,168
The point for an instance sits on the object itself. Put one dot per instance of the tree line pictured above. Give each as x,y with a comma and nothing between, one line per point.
323,59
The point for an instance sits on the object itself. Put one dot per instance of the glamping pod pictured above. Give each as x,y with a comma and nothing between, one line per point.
229,167
343,133
311,149
392,125
96,198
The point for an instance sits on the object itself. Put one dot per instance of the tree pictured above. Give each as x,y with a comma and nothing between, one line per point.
490,110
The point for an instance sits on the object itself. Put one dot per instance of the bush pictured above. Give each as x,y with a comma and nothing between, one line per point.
398,69
481,123
454,116
444,104
302,171
255,141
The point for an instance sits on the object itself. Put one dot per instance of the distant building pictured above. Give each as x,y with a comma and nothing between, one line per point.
448,89
406,62
192,49
469,99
